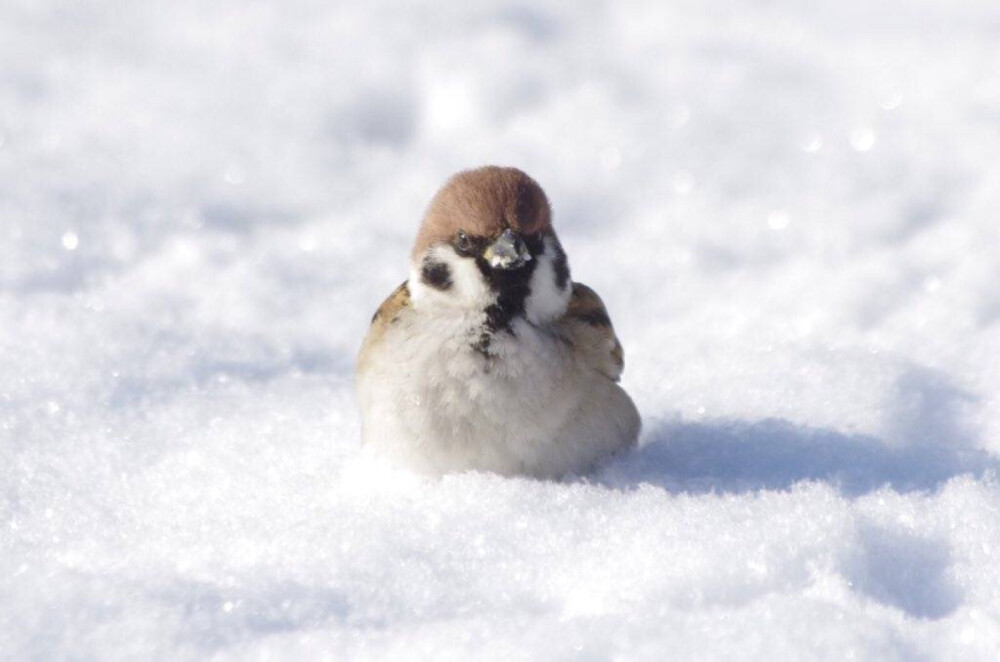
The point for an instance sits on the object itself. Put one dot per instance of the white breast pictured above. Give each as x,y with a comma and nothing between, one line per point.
434,402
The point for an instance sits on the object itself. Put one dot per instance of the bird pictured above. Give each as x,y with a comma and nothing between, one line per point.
489,357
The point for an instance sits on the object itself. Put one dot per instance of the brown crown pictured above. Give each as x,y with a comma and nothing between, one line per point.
484,202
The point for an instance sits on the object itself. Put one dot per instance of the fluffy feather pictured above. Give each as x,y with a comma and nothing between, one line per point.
454,376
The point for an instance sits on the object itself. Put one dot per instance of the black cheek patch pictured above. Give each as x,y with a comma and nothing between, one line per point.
560,266
436,274
535,243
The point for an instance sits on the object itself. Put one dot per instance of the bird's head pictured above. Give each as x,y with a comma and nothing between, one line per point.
487,244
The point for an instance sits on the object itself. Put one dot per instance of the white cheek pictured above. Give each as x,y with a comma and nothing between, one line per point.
468,287
546,301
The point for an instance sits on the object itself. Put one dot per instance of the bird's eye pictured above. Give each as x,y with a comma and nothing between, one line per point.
462,243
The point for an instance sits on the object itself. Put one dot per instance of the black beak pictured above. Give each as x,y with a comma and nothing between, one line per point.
507,252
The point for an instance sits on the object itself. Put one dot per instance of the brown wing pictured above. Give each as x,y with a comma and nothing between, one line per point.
386,315
389,311
588,326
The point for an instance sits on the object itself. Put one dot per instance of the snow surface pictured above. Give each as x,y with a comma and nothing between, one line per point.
789,206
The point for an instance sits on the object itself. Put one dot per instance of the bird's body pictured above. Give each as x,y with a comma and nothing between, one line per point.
489,357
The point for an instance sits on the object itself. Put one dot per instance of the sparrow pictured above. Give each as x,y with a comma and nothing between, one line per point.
489,357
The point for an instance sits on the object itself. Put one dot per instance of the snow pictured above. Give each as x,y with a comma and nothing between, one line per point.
788,207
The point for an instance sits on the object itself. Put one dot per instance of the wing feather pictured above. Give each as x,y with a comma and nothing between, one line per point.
588,326
387,314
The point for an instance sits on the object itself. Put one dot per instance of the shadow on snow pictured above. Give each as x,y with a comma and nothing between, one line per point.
928,441
738,456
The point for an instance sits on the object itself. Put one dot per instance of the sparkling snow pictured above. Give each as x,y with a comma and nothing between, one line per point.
791,209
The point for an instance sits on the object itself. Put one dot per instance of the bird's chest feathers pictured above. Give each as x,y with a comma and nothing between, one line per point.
453,377
477,348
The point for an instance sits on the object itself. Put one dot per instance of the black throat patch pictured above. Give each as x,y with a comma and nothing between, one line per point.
512,286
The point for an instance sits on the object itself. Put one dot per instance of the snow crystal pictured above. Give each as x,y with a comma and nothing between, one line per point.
862,140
